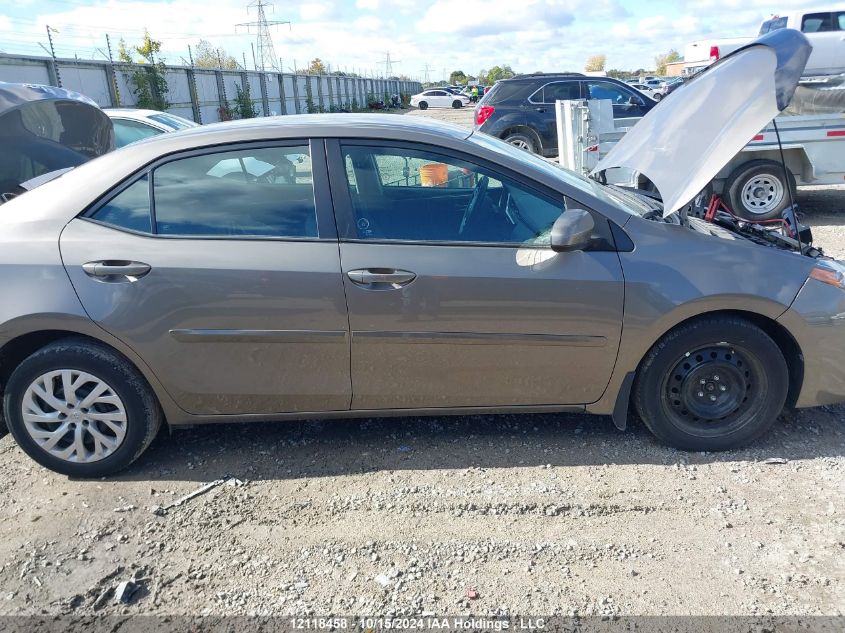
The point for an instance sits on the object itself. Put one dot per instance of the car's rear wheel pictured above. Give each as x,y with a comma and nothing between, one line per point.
712,384
457,103
759,190
423,105
80,409
522,141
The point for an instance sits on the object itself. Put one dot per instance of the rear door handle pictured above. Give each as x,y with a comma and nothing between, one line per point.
381,278
116,270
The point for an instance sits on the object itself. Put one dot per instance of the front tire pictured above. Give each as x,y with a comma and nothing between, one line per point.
457,103
657,96
759,190
80,409
710,385
423,105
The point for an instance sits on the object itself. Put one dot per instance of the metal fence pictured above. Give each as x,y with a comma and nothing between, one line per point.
199,93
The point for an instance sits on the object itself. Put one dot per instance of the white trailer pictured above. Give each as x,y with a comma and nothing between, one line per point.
753,184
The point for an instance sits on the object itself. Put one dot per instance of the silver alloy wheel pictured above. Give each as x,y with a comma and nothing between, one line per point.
521,144
762,194
74,416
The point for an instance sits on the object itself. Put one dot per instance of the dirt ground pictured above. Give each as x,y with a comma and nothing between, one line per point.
534,514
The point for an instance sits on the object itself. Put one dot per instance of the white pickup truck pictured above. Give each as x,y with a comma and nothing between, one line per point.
824,27
752,183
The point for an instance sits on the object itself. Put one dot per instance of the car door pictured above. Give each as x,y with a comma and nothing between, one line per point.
625,102
220,268
826,31
455,298
443,99
128,131
542,108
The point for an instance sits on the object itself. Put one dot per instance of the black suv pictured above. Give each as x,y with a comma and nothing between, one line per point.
521,110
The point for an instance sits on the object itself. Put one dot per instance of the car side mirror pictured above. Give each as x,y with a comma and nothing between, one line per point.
572,231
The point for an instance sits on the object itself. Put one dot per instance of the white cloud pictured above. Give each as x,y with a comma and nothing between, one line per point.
490,17
368,23
367,4
315,10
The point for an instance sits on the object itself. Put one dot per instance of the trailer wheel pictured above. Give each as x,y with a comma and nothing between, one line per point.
759,190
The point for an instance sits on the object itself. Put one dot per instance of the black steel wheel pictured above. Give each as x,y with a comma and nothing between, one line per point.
712,384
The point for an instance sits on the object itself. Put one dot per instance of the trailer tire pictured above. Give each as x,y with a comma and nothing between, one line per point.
759,190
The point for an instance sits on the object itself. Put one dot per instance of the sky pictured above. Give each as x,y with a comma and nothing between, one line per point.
430,38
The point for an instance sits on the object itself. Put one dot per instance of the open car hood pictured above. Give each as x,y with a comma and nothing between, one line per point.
43,128
684,141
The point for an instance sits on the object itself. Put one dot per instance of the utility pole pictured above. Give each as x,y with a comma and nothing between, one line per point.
266,52
113,73
388,64
50,32
254,65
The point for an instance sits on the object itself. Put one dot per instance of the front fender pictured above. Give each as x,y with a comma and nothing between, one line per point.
675,274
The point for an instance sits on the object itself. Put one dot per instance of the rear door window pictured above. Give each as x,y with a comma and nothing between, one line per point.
249,192
561,91
817,23
127,131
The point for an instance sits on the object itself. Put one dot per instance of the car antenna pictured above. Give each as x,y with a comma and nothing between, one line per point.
788,181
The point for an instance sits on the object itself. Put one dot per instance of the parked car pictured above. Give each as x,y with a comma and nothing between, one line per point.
438,98
823,26
521,110
648,91
412,268
43,129
134,124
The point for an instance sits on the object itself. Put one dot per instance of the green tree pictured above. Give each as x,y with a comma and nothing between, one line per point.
208,56
595,63
498,72
316,67
457,77
148,84
244,107
661,61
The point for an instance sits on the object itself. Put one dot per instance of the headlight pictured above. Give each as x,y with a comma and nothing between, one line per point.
830,272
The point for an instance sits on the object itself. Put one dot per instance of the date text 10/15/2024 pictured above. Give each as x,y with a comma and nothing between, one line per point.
425,623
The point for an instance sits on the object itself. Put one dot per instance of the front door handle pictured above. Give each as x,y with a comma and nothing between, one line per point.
116,270
381,278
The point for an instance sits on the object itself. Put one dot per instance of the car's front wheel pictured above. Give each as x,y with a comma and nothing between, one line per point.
457,103
423,105
657,96
712,384
80,409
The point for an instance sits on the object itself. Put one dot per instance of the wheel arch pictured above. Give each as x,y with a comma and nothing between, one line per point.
23,344
523,129
619,402
787,344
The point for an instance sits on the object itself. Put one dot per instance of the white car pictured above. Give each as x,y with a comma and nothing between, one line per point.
648,91
134,124
435,98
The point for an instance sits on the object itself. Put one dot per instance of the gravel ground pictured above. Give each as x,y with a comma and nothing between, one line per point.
534,514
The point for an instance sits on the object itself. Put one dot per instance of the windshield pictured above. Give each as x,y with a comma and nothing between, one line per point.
553,169
172,121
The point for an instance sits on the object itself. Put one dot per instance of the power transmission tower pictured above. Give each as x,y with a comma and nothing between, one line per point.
266,59
388,64
427,70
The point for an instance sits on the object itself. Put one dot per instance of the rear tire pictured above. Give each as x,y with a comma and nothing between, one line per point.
522,141
758,190
112,430
710,385
423,105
